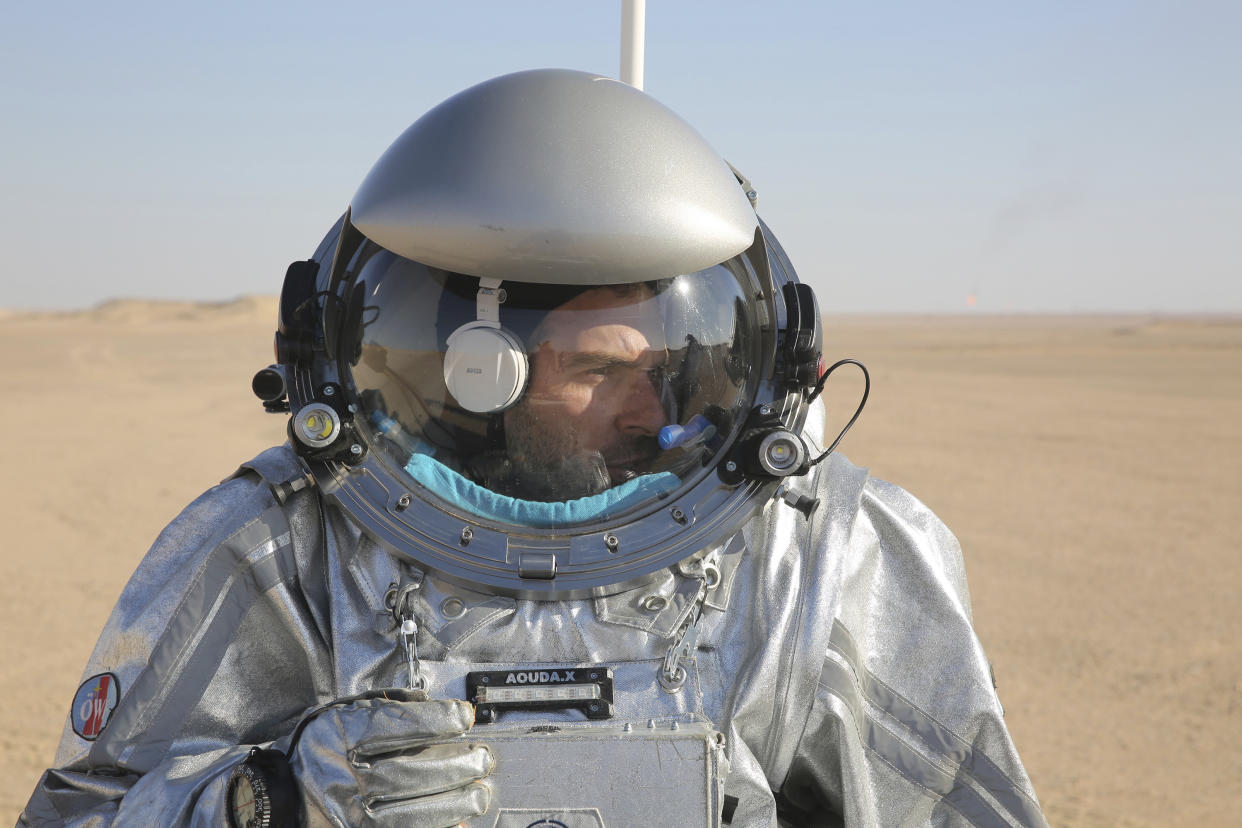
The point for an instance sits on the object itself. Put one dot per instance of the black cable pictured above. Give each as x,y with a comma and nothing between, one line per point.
398,694
819,387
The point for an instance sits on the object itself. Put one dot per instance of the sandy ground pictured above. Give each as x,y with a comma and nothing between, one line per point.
1092,468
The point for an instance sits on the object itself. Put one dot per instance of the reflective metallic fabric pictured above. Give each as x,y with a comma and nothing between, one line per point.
835,653
389,760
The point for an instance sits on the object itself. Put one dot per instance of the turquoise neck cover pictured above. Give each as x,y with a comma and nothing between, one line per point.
473,498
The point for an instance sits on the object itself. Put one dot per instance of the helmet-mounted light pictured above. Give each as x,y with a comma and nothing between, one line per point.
317,425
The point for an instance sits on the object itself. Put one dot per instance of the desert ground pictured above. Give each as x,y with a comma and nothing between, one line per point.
1091,466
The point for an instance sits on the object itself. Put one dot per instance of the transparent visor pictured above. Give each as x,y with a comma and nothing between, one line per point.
631,391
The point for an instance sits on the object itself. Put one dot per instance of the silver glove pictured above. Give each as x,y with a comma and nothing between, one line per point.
382,760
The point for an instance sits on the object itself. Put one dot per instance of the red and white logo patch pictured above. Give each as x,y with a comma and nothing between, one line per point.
93,705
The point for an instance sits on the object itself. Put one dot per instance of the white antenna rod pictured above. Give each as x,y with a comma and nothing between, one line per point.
633,33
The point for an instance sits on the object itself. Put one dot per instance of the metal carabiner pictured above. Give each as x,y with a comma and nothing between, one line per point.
672,674
400,604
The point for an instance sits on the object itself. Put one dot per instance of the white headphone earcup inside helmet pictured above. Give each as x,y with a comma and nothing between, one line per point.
485,367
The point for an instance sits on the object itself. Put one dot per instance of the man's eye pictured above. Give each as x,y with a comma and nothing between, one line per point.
595,376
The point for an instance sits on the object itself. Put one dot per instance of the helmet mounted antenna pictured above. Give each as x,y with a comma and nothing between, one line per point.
633,41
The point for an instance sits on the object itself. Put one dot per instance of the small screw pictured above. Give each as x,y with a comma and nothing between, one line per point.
610,540
351,408
627,728
679,515
502,296
467,534
329,390
593,707
730,466
593,675
403,503
484,680
765,410
355,450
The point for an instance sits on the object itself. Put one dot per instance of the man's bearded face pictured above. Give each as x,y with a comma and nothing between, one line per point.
591,413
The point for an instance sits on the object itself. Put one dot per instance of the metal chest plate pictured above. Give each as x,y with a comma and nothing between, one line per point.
662,772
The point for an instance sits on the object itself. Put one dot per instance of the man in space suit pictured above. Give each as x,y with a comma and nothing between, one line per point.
554,541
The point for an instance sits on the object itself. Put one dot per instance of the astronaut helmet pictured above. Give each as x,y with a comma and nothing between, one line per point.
550,349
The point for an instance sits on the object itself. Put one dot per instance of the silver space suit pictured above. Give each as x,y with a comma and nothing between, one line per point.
679,611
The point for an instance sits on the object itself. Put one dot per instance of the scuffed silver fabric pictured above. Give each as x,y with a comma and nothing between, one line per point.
836,654
386,761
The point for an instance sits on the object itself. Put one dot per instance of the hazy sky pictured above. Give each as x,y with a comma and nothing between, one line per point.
1050,156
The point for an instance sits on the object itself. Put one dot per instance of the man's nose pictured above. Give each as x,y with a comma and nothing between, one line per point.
641,410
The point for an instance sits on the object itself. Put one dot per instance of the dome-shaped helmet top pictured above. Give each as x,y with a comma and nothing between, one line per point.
555,176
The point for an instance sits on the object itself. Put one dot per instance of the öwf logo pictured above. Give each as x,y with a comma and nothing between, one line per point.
93,705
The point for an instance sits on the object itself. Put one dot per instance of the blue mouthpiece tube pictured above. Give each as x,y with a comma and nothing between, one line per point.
672,436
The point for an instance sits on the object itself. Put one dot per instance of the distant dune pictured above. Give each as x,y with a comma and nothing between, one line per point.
243,310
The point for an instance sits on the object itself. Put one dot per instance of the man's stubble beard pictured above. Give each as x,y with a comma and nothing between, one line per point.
548,464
